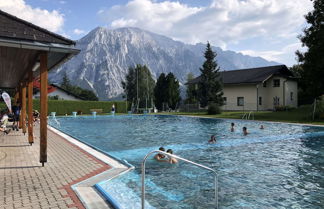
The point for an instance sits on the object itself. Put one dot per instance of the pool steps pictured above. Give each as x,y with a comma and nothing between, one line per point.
87,190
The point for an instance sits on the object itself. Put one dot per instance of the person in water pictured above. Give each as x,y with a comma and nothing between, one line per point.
212,139
245,131
172,160
232,127
261,127
159,156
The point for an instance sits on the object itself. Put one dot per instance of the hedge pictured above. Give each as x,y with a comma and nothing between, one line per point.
62,107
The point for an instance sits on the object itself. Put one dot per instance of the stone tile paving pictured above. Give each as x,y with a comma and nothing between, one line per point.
24,183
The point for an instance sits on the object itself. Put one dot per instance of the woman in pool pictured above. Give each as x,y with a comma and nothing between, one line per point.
171,159
245,131
212,139
232,127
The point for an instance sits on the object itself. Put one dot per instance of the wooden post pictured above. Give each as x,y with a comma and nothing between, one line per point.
43,108
30,108
23,107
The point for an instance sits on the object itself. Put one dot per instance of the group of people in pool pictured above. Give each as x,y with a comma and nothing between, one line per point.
165,158
212,139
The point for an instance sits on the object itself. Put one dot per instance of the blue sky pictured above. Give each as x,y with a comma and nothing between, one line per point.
266,28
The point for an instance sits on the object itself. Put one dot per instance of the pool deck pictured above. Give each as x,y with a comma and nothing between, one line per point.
25,183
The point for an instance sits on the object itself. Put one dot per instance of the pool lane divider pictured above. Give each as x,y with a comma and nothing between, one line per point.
119,167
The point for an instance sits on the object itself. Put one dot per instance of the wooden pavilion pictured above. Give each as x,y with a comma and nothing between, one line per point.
27,52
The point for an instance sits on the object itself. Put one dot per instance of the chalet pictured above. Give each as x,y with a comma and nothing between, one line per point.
263,88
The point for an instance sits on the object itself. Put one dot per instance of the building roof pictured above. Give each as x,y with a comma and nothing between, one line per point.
67,92
250,75
21,44
15,28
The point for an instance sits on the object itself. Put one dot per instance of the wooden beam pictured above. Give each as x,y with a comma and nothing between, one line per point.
23,107
43,108
30,108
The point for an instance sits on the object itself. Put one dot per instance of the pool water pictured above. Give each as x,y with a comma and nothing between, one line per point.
281,166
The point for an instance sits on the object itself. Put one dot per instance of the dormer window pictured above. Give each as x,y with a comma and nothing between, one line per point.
276,82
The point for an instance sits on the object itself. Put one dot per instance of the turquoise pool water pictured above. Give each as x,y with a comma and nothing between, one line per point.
281,166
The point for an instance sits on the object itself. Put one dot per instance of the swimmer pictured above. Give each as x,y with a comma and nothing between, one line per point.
212,139
171,159
245,131
232,127
159,156
261,127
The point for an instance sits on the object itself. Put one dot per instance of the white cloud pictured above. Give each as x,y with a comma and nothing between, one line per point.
78,31
222,22
279,55
51,20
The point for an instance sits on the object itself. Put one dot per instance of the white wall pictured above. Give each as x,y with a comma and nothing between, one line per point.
248,91
291,86
62,95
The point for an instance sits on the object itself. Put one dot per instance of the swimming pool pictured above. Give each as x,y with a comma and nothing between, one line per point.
281,166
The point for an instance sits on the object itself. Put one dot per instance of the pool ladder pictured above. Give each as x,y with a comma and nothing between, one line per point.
185,160
247,115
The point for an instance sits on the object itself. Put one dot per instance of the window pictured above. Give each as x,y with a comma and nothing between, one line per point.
276,101
276,82
225,100
264,84
291,96
240,101
260,100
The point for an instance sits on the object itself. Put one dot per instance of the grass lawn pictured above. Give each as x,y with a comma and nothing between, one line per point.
301,115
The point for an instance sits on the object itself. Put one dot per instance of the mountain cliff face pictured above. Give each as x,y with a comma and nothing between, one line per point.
106,55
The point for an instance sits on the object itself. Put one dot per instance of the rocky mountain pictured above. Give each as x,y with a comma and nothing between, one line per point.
106,55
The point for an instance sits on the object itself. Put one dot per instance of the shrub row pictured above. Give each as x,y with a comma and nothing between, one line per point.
62,107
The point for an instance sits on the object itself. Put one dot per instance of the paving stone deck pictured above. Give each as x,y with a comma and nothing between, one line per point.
24,183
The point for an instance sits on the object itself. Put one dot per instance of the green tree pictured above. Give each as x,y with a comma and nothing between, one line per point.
76,90
66,83
312,61
173,91
139,86
210,86
160,92
191,91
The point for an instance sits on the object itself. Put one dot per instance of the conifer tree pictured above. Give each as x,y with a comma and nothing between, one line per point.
312,61
210,85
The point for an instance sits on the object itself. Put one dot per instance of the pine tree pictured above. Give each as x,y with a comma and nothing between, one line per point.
139,86
160,92
66,84
191,91
173,91
210,86
312,61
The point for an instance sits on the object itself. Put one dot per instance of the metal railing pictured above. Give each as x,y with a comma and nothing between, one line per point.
248,115
185,160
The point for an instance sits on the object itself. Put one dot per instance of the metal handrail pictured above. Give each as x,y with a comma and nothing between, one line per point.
183,159
248,118
245,115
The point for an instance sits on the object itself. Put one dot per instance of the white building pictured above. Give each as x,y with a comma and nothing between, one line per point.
256,89
62,94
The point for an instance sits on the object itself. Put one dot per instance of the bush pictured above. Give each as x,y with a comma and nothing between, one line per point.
213,109
284,108
319,111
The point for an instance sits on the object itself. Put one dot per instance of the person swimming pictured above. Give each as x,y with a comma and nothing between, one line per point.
171,159
212,139
261,127
159,156
245,131
232,127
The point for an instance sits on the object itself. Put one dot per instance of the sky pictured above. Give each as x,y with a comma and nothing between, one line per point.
265,28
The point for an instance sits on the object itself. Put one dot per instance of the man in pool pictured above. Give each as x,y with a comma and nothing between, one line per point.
160,157
212,139
171,159
245,131
232,127
261,127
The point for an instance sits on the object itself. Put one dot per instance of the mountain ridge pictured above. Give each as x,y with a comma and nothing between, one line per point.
106,54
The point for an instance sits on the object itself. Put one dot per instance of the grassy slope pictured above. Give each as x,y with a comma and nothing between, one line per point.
300,115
